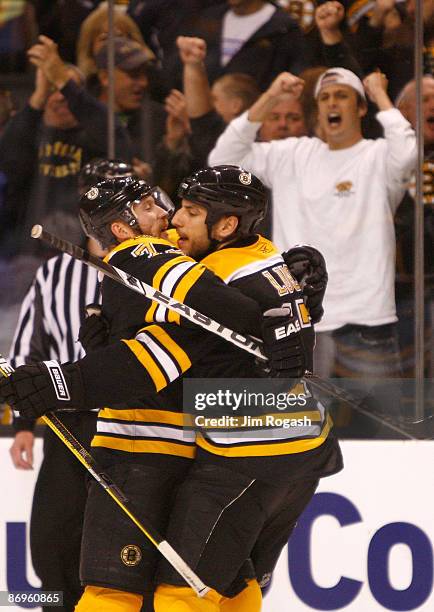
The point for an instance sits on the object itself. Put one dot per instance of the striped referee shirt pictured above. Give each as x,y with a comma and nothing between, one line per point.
51,315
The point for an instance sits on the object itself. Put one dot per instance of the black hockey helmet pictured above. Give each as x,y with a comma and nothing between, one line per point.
113,199
227,190
100,169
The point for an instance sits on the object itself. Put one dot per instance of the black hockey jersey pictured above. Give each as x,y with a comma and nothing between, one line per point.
151,422
159,354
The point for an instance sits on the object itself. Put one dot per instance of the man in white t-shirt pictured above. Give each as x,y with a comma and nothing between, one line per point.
339,196
254,37
244,18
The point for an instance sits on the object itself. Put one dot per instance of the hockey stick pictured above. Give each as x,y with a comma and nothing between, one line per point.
86,459
247,343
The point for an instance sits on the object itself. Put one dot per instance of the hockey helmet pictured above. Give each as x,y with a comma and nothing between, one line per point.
100,169
227,190
113,199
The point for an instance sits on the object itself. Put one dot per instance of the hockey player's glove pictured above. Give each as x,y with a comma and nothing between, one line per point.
283,344
308,267
94,331
34,390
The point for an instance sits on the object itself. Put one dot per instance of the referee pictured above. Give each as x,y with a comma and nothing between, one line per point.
48,328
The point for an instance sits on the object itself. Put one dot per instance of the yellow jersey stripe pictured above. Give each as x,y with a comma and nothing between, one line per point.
138,240
6,415
225,262
146,415
164,269
184,286
145,446
147,360
175,351
267,449
157,281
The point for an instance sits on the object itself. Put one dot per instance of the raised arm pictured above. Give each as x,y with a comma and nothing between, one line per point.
192,52
237,143
18,143
91,114
334,50
400,138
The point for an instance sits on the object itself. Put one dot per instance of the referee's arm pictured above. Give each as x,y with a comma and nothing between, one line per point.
30,342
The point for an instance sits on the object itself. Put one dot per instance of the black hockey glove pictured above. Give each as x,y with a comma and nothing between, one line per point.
94,331
283,344
308,267
34,390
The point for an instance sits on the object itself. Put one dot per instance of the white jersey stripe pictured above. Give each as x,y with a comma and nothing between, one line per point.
169,282
164,361
254,267
23,332
44,308
268,434
149,431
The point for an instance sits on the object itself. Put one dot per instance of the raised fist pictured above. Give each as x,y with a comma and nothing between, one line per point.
191,50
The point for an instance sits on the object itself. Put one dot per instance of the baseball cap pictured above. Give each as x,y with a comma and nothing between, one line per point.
129,54
339,76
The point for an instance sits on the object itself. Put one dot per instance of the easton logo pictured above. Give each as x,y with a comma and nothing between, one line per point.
58,380
285,331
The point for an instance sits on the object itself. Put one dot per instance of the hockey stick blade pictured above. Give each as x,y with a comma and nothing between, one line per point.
86,459
247,343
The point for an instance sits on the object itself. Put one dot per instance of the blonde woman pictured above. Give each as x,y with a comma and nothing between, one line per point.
94,32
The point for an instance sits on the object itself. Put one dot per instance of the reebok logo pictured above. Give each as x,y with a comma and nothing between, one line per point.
287,330
58,380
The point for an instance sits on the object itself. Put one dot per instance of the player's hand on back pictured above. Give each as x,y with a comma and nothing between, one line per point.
94,331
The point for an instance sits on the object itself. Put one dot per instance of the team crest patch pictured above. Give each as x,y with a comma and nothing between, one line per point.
344,189
245,178
92,193
131,555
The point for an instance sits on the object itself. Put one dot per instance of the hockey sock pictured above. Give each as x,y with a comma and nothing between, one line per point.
170,598
249,600
98,599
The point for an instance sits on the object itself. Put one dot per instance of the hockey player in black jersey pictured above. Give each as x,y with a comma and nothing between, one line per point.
293,464
253,489
141,444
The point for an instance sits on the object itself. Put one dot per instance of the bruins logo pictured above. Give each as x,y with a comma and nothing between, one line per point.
245,178
92,193
344,189
131,555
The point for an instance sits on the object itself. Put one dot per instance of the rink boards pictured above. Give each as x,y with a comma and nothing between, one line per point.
364,544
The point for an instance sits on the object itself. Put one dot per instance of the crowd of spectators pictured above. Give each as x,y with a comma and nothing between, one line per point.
184,70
